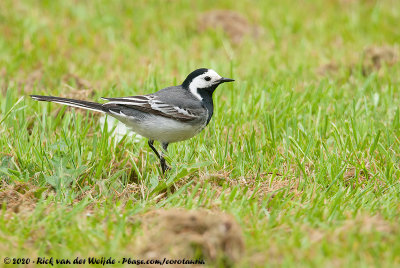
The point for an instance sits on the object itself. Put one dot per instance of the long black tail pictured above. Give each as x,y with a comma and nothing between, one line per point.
98,107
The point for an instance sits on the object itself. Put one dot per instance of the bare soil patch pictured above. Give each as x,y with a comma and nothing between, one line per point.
371,59
19,197
259,185
78,94
356,176
366,223
234,24
191,234
375,57
328,68
80,82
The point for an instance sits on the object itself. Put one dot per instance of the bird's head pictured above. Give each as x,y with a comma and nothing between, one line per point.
203,81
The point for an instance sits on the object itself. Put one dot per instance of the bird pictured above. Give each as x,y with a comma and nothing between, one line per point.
169,115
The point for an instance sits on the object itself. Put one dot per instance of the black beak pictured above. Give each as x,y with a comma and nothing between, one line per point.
223,80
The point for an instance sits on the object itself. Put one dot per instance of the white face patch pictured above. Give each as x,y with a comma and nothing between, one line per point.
206,80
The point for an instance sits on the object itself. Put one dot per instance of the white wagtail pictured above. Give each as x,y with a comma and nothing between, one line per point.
171,114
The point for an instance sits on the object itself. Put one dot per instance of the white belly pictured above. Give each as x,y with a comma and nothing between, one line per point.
162,129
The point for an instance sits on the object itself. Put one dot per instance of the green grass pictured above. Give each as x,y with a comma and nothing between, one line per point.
307,164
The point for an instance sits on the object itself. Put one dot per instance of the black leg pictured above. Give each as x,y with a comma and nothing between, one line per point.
150,142
165,146
164,165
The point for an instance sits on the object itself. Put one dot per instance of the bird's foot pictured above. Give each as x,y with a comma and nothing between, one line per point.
164,166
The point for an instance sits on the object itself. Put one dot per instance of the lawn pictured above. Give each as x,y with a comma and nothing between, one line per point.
299,167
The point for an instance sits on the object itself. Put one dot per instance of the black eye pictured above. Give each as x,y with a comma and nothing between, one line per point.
207,78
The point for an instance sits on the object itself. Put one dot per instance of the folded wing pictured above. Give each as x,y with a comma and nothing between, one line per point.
152,105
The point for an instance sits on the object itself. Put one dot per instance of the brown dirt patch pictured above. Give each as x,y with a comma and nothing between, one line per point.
24,82
78,94
372,59
191,234
359,177
366,223
83,90
32,80
79,81
128,193
362,223
234,24
19,197
271,185
328,68
375,57
262,184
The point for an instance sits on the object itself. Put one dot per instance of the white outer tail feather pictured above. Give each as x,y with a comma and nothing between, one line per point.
97,107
